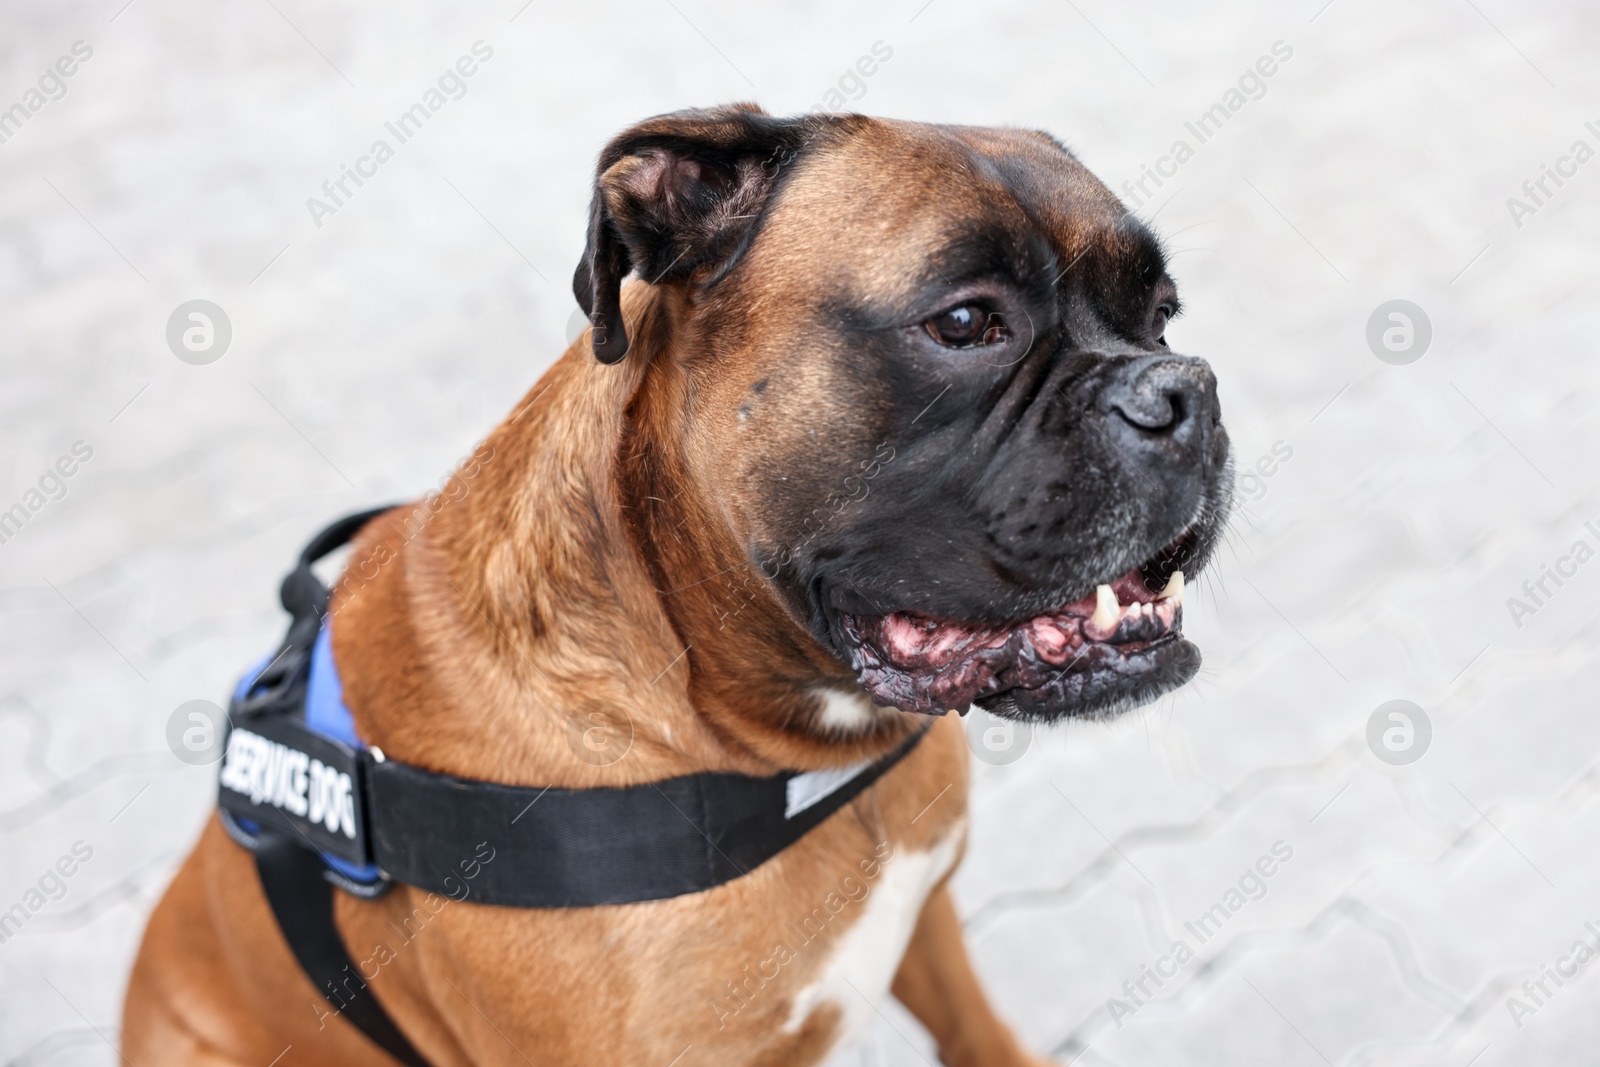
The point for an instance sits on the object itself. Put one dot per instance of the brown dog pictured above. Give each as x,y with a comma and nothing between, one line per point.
891,414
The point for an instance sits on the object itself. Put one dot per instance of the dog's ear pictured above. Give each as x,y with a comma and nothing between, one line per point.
677,197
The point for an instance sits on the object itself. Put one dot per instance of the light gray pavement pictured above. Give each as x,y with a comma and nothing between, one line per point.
367,354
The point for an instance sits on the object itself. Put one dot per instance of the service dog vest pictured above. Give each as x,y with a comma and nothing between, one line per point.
316,805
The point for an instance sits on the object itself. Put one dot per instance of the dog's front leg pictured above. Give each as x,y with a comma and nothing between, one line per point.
937,984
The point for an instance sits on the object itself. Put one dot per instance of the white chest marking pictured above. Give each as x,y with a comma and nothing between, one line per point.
865,958
846,714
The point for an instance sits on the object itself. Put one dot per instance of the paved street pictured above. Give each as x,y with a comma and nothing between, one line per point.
1391,509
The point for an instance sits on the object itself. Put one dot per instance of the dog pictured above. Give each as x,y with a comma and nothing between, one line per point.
885,426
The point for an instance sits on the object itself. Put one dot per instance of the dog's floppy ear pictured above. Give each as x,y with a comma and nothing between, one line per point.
676,198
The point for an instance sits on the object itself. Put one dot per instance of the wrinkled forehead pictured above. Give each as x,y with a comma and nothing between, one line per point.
883,206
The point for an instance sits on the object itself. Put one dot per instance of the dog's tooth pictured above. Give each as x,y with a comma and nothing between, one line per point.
1106,609
1174,589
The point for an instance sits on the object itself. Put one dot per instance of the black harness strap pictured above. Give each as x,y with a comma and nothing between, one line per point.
317,809
564,848
302,902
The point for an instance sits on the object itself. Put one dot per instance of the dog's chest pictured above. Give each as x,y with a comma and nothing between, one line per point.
860,963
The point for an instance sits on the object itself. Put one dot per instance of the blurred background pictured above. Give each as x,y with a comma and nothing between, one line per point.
1398,298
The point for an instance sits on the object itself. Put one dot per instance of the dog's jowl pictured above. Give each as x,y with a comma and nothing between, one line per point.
874,421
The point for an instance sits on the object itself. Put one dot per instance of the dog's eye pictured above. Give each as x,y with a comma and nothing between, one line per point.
967,327
1158,324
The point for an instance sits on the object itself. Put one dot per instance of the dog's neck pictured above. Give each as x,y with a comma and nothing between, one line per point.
555,589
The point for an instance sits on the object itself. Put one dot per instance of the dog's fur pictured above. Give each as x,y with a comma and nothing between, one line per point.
640,545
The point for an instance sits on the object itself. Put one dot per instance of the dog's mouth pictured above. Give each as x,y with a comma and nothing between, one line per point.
1116,647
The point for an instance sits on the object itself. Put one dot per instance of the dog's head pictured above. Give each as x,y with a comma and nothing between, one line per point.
924,392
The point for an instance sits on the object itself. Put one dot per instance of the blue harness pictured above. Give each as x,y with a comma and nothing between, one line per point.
325,714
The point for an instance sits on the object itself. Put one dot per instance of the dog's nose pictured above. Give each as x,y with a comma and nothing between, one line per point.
1160,404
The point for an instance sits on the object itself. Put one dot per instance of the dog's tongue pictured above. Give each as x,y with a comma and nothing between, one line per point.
918,663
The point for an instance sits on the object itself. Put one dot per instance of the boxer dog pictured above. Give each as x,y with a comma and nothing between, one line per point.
886,426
